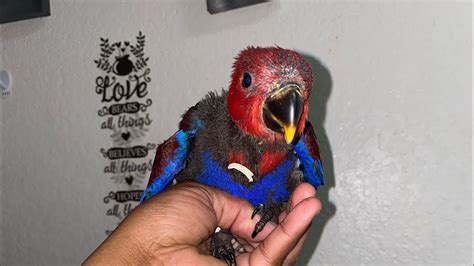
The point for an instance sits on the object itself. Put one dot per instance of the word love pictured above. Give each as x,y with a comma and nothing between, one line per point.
112,90
124,196
128,167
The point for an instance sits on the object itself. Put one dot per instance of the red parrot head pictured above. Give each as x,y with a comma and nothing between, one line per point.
268,94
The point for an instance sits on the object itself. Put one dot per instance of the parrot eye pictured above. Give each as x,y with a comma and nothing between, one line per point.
247,80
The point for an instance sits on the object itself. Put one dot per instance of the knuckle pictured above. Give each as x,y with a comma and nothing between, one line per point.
265,254
288,237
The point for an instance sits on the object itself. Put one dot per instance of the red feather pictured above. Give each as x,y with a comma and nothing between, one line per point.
270,160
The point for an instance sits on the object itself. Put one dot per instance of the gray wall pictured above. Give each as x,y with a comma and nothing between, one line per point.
1,155
391,107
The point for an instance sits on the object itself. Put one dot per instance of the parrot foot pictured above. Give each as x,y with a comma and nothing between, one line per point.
239,248
267,214
224,245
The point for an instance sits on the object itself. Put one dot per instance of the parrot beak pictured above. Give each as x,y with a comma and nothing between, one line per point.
282,110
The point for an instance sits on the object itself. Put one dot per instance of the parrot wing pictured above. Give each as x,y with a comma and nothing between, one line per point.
171,156
307,151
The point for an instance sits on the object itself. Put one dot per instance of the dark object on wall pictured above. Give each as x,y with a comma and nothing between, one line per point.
14,10
217,6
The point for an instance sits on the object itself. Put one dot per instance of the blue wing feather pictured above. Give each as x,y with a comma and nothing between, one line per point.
173,166
312,167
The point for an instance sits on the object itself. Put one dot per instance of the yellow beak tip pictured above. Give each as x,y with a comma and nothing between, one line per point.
289,134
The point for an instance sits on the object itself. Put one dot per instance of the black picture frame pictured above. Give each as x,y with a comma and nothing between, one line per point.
15,10
217,6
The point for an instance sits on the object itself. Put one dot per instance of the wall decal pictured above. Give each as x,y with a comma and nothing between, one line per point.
138,151
126,166
129,180
122,65
134,181
111,90
124,121
118,212
123,90
123,196
126,136
131,108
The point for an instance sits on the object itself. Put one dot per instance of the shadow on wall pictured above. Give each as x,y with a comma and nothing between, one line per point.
21,29
198,21
322,87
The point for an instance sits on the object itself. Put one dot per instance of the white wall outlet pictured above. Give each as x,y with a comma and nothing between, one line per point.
5,83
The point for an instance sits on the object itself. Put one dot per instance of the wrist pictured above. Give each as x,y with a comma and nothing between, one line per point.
121,248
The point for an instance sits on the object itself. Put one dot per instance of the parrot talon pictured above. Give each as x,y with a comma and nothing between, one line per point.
267,216
232,258
258,228
222,246
228,259
257,209
254,233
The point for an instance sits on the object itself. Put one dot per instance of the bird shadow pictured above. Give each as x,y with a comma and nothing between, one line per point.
322,87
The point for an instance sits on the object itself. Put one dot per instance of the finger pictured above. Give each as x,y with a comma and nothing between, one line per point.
284,238
249,247
301,192
295,252
190,256
282,216
234,214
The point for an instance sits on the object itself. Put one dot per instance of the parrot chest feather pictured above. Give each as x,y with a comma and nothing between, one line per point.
260,163
270,188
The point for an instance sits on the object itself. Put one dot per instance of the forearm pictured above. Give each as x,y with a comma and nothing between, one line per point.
122,247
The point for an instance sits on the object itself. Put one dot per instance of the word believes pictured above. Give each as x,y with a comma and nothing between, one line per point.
120,153
128,167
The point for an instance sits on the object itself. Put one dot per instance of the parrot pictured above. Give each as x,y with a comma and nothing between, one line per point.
253,141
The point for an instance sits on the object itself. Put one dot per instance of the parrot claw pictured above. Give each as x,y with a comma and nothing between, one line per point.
254,233
229,259
222,246
257,209
267,215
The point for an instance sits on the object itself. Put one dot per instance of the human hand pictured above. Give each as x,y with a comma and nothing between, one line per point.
173,227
